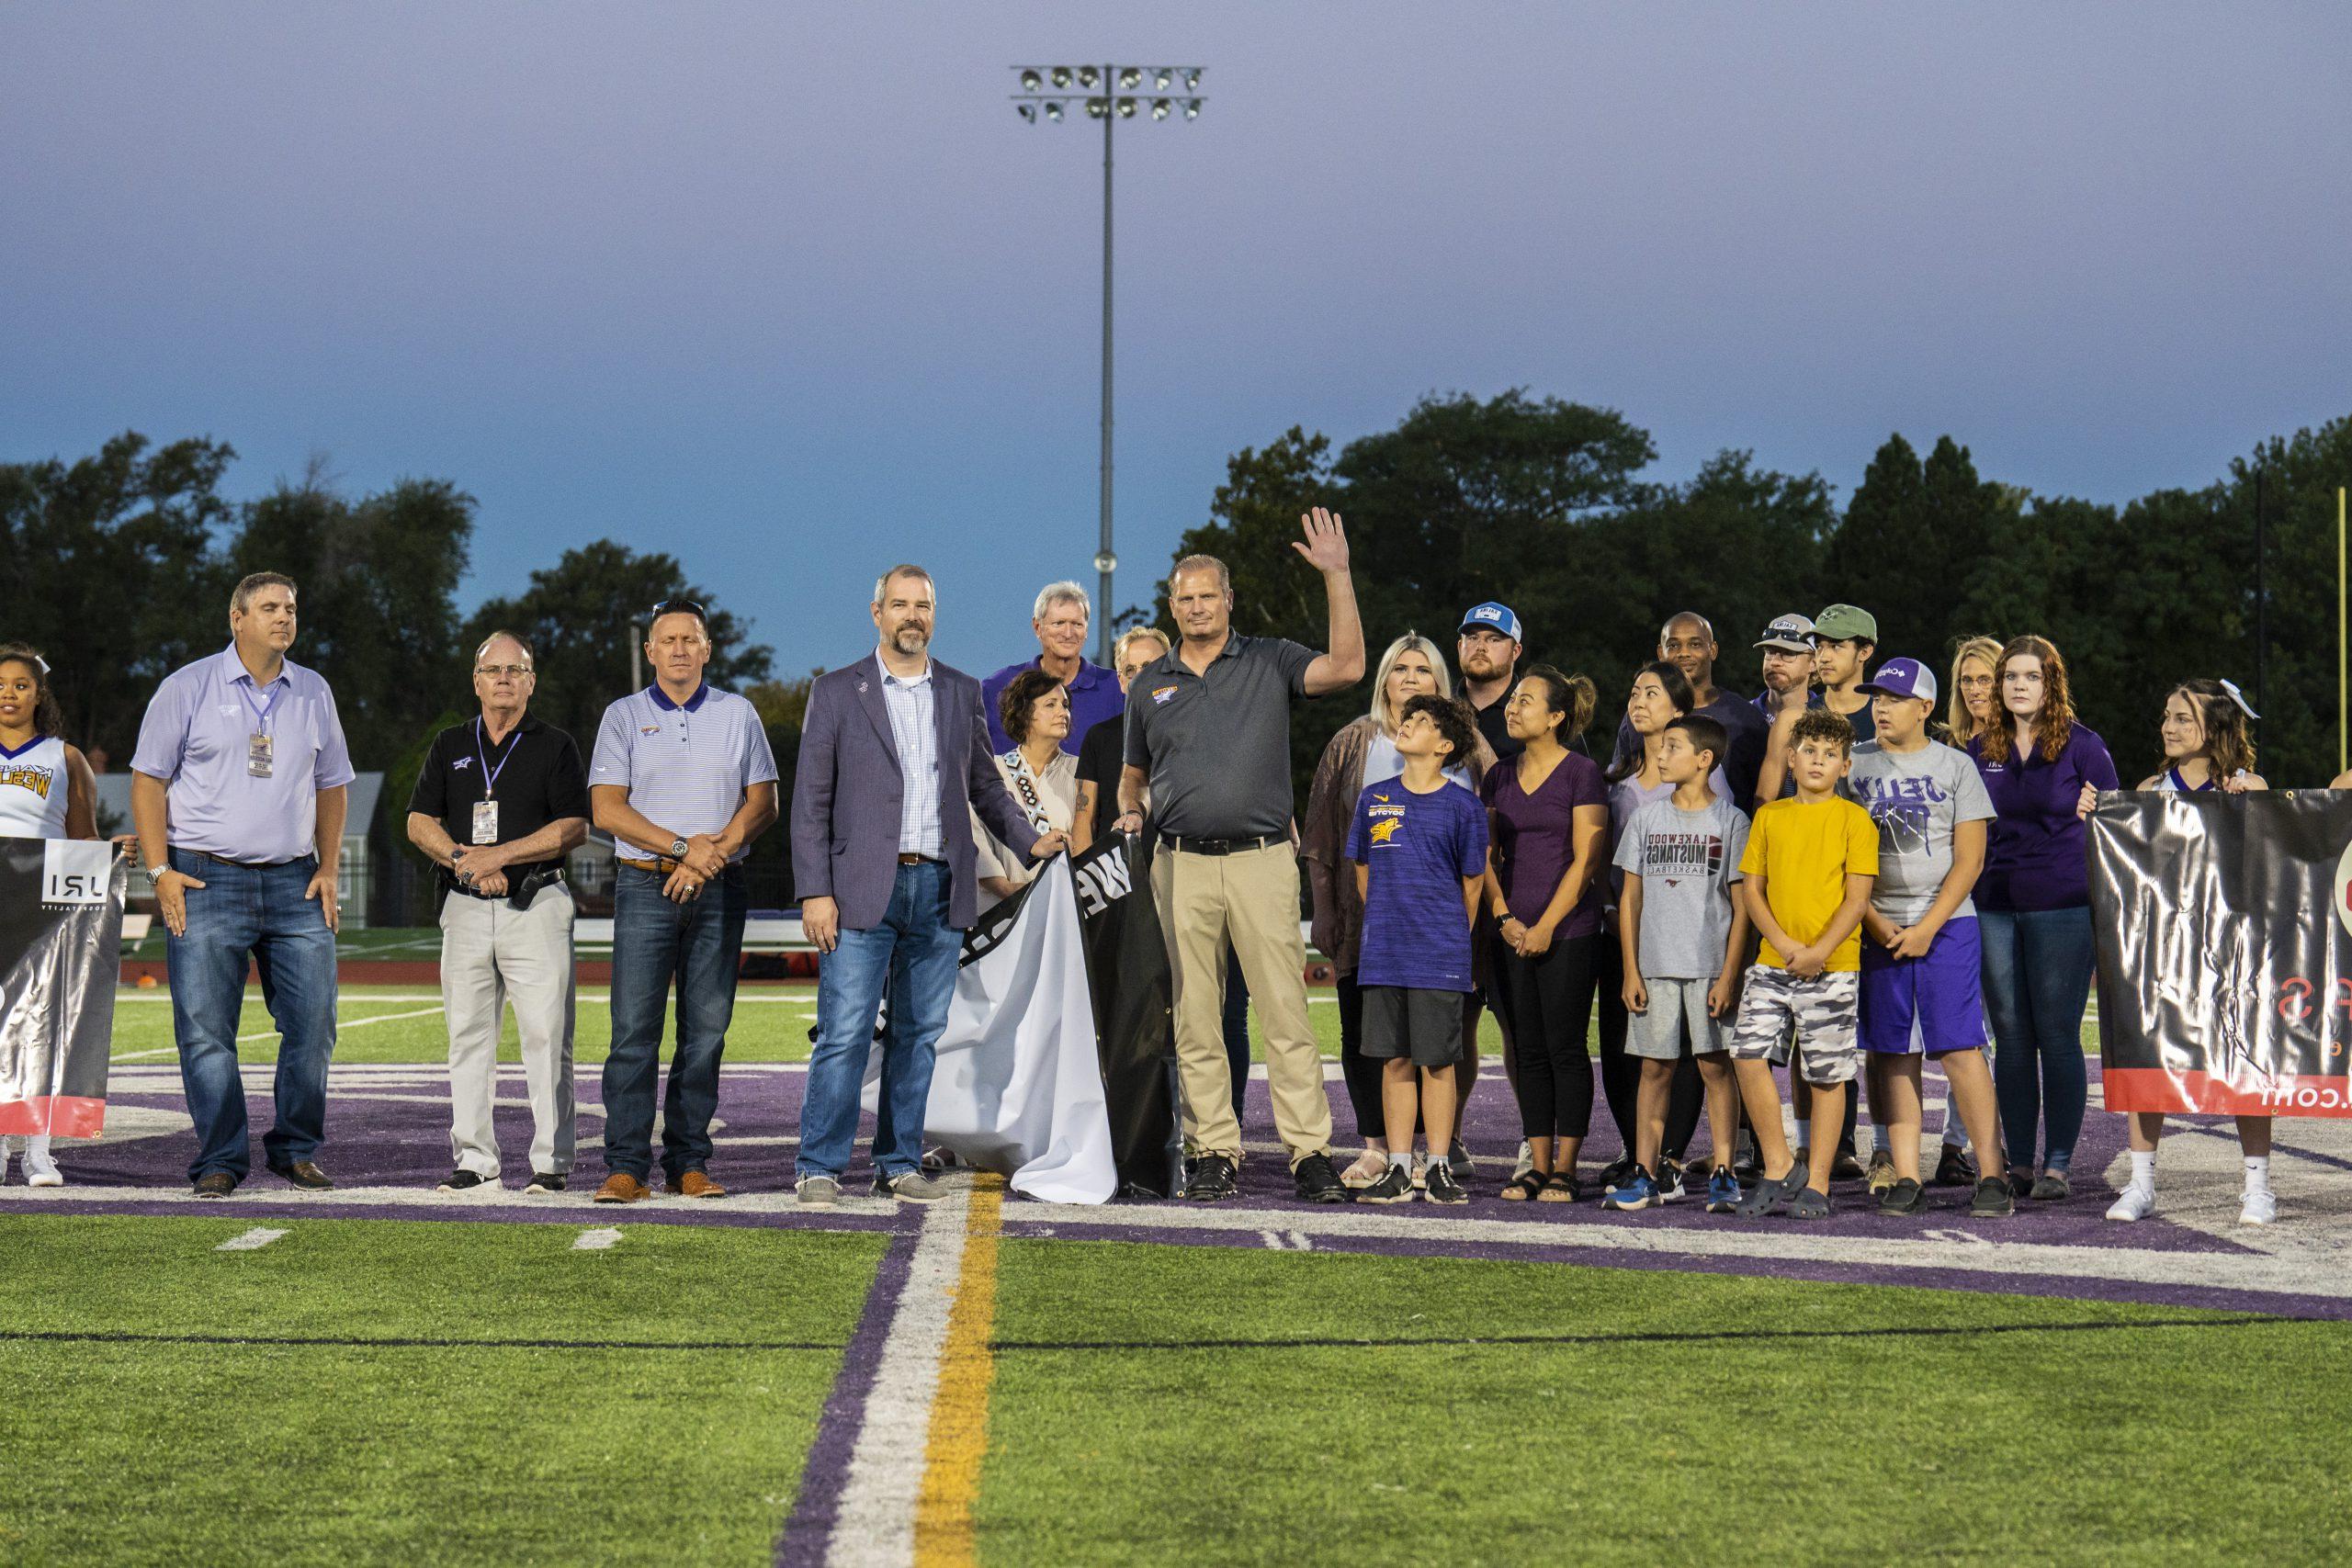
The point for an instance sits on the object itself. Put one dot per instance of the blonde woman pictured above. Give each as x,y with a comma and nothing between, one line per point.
1975,706
1364,752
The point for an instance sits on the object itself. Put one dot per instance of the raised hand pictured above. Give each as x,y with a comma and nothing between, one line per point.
1326,543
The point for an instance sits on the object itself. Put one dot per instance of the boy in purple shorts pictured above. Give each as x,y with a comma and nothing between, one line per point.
1806,875
1420,847
1922,987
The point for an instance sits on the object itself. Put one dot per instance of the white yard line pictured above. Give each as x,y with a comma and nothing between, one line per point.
602,1239
252,1240
343,1023
876,1524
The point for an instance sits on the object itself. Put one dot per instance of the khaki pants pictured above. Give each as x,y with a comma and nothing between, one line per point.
1250,897
491,955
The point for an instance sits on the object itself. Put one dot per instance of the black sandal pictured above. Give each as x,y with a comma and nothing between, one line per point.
1562,1188
1523,1187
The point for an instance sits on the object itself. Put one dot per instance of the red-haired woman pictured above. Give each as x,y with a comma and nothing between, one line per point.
2033,906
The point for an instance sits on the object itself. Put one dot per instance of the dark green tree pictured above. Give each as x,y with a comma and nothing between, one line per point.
582,616
1912,528
110,565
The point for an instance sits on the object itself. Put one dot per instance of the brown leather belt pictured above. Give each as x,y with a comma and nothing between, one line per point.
658,867
920,860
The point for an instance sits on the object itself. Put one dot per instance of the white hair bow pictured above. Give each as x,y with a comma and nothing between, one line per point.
2239,697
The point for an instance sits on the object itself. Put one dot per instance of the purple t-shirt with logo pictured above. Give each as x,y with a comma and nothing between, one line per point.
1417,849
1535,841
2035,861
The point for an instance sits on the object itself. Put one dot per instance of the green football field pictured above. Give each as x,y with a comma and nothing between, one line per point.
567,1383
446,1393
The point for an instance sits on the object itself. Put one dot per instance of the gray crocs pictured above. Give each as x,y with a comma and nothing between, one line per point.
1768,1194
1807,1204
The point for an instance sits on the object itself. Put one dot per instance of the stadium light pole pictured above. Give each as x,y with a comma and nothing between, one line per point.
1050,93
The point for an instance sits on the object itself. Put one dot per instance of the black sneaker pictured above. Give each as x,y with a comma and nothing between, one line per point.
1955,1169
1212,1179
1319,1183
1905,1196
1671,1180
1443,1186
2021,1183
1846,1166
464,1181
546,1181
1395,1186
1994,1199
2052,1188
1459,1157
1616,1173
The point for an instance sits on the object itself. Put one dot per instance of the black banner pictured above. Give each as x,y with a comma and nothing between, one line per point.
2225,951
60,953
1126,968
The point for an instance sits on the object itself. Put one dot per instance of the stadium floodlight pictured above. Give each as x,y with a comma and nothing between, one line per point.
1110,111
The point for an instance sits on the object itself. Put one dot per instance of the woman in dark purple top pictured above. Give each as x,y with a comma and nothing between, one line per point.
2034,909
1549,812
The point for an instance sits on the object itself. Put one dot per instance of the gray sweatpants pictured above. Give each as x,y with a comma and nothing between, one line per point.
491,955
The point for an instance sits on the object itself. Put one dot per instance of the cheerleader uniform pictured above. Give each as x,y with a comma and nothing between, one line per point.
32,806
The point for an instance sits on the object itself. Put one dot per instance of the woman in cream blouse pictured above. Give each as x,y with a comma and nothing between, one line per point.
1042,777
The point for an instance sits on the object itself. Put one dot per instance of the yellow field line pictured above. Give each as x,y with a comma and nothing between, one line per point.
959,1411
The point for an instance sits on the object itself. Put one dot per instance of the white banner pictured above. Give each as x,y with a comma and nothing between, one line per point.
1018,1085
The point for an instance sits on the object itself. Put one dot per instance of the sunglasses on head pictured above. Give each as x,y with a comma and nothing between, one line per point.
678,607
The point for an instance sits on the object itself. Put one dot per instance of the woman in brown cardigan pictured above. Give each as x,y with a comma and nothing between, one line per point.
1362,754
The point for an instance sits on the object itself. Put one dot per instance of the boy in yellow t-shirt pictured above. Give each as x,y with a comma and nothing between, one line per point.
1807,872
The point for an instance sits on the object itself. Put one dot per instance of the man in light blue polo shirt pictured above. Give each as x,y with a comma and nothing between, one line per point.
1061,618
683,781
243,754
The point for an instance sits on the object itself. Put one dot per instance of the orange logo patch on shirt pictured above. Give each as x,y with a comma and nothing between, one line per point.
37,779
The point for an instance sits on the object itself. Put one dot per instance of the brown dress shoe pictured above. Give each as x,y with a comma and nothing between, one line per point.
694,1184
622,1187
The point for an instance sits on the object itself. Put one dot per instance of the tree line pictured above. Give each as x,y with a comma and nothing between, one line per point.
1540,503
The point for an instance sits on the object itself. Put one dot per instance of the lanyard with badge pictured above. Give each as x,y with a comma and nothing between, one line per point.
259,746
486,808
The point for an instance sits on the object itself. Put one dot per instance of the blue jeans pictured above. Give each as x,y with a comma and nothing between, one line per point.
913,953
699,943
258,914
2037,981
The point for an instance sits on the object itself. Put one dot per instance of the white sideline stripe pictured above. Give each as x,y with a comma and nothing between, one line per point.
599,1240
876,1526
252,1240
351,1022
2297,1263
599,998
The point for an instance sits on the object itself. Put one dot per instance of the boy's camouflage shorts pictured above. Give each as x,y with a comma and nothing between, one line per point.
1821,1011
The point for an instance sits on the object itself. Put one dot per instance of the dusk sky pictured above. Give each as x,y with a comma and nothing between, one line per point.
790,291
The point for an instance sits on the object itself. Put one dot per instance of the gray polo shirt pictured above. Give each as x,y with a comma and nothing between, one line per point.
1218,746
685,765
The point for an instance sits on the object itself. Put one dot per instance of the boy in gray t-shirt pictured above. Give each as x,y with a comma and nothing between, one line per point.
1683,937
1922,960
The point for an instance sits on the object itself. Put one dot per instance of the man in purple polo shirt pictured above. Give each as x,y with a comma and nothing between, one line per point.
1059,619
241,754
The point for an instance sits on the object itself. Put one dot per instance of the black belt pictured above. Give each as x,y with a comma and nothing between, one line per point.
521,886
1192,846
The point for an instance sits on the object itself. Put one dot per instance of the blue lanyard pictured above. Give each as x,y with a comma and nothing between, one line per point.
263,710
488,773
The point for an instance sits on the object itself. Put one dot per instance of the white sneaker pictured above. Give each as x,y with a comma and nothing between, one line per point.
1525,1163
40,1170
2261,1207
2137,1203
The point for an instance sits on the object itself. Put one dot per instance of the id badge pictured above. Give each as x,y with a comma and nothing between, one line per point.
485,822
257,750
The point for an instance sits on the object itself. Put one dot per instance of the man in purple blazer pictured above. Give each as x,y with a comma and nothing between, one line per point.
894,759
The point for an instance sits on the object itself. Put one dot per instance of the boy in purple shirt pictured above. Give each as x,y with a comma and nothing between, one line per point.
1420,847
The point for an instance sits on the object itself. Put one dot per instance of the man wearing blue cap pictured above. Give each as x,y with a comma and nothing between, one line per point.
1921,981
1489,654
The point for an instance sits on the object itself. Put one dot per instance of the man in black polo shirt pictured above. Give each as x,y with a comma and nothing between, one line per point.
1208,735
501,800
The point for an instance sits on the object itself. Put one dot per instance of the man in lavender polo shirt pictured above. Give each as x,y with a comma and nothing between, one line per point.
684,780
241,754
1059,619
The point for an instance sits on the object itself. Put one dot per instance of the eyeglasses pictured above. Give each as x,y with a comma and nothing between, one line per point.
514,672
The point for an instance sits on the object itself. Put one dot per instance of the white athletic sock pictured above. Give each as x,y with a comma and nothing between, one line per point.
2257,1173
1399,1162
1445,1160
2143,1170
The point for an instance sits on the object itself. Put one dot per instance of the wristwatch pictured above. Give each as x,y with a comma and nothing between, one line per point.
677,849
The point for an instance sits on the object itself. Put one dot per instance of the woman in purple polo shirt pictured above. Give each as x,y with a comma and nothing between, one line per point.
1548,814
2034,909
